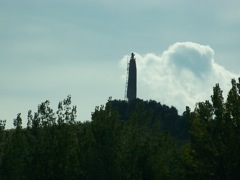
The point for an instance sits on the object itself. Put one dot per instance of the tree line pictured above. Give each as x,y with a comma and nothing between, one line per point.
135,140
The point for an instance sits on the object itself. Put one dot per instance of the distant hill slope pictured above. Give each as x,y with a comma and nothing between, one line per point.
169,119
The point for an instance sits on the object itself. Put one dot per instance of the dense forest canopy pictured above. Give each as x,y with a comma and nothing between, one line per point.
126,140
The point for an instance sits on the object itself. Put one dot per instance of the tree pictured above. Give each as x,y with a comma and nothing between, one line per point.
18,122
215,136
105,126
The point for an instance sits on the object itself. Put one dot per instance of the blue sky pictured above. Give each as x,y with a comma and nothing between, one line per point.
50,49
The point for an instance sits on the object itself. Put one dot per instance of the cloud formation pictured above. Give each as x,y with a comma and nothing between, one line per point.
181,76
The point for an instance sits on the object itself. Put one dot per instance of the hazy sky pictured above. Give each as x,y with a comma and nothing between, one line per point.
52,48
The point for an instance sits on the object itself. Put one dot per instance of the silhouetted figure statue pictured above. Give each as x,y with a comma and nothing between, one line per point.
132,79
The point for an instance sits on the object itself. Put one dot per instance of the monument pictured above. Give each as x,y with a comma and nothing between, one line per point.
131,79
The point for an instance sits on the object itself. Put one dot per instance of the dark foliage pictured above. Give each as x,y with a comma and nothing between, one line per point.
55,146
136,140
168,117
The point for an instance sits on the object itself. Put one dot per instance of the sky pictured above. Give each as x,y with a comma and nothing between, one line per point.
50,49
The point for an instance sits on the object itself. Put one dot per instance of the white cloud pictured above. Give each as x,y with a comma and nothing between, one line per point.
181,76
